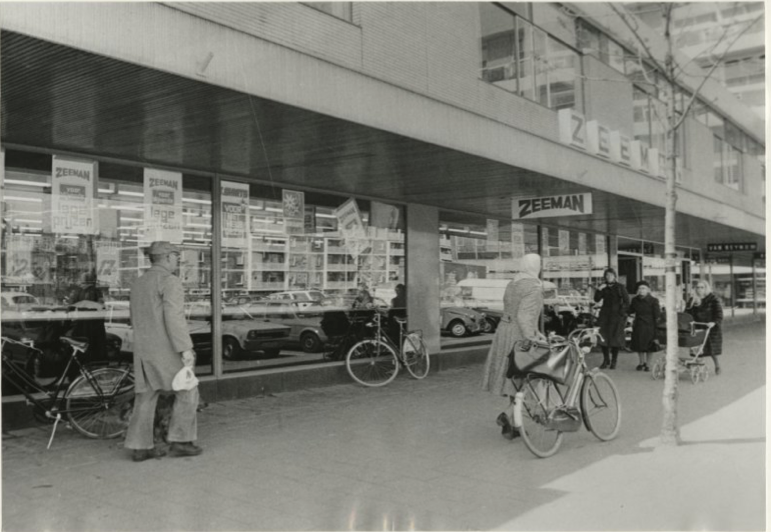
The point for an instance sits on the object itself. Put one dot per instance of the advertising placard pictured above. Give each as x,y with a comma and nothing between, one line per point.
163,206
235,214
582,243
188,270
492,235
599,244
351,227
564,241
18,267
72,196
550,206
107,263
517,241
545,241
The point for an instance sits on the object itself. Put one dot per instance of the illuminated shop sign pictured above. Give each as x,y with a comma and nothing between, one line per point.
550,206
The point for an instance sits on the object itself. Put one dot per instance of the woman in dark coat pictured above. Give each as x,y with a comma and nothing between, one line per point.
612,320
705,307
646,310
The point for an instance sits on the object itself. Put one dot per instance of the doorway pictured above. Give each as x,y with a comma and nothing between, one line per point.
629,271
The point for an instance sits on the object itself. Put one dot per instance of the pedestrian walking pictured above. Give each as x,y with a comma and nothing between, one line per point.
612,320
646,310
162,347
705,307
522,306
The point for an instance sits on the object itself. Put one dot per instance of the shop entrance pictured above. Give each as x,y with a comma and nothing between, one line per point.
629,271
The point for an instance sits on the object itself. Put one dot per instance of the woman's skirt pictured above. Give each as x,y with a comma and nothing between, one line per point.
497,364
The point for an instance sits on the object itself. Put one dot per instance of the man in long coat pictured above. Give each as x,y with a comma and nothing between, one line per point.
162,346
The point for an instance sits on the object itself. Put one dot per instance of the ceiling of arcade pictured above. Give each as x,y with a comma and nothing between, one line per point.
59,98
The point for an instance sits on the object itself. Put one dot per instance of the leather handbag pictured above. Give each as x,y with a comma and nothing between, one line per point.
528,357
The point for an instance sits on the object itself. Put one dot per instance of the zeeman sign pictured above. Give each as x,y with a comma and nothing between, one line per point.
549,206
599,140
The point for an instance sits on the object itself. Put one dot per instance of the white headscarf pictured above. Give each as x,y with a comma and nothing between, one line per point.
530,267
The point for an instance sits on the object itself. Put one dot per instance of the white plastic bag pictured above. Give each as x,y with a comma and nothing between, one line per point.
185,379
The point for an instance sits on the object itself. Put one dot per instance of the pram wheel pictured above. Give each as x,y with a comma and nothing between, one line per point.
704,374
695,372
658,369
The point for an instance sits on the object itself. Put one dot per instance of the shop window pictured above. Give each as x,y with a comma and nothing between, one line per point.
77,242
525,57
341,10
287,262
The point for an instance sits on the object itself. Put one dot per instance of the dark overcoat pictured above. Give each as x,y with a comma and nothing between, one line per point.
709,310
612,320
646,312
160,329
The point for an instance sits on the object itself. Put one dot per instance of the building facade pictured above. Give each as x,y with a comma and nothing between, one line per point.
302,151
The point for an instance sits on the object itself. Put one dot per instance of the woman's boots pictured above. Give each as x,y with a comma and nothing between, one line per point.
614,358
607,361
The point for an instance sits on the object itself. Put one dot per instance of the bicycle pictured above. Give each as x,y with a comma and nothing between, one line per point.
544,410
97,403
376,361
343,329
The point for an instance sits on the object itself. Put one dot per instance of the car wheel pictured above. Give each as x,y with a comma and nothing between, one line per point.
458,329
310,342
230,348
487,326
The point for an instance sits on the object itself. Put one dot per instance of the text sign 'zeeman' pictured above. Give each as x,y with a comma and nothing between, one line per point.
550,206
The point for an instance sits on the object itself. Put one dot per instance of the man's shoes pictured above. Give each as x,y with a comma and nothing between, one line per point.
503,420
185,449
604,364
717,371
140,455
510,432
640,367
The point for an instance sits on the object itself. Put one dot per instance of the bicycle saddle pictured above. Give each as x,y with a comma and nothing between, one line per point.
80,343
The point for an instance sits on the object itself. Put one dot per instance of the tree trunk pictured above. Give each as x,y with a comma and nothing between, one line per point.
670,431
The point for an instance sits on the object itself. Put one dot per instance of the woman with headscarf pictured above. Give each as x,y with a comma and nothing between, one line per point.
646,310
612,320
522,306
705,307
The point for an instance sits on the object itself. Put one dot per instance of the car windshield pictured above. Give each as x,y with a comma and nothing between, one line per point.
22,300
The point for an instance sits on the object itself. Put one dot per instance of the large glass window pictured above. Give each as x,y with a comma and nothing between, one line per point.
525,56
499,64
290,258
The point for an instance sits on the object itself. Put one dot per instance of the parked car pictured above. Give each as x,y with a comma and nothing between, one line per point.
304,298
304,323
460,321
239,333
18,301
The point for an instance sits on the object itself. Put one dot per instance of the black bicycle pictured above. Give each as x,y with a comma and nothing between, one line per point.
97,402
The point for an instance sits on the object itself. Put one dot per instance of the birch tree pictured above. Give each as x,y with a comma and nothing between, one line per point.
672,72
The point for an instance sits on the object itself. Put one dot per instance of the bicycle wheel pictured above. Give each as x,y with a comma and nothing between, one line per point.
540,398
100,407
372,363
600,406
415,356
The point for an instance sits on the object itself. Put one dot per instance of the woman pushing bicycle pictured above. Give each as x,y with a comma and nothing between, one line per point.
522,306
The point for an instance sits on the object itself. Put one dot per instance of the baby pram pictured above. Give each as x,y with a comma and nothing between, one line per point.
693,336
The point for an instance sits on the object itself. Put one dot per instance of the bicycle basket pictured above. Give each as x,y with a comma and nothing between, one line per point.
526,357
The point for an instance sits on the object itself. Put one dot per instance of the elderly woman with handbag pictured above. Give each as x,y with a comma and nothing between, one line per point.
522,306
646,310
705,307
612,320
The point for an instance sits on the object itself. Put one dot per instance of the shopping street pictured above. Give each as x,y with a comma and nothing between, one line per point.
422,455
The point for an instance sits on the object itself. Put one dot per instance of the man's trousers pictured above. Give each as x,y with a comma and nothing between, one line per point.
183,426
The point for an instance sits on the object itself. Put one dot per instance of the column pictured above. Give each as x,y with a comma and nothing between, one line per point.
423,272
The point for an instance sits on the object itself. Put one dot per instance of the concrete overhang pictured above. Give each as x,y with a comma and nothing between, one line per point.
132,106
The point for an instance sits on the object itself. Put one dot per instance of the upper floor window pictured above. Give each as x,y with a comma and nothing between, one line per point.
525,60
342,10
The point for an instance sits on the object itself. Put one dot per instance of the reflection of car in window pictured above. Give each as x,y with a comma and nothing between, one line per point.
18,300
304,322
460,321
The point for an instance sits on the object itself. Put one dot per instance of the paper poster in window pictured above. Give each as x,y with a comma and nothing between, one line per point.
108,263
188,269
600,244
517,241
582,243
492,235
235,214
564,241
293,203
163,206
351,228
18,267
72,196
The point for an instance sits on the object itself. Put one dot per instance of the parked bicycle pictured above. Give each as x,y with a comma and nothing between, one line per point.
97,403
376,361
544,409
343,329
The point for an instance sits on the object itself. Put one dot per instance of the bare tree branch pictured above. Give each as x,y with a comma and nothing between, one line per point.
637,36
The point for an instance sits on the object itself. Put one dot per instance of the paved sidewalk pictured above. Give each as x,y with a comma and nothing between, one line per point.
422,455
